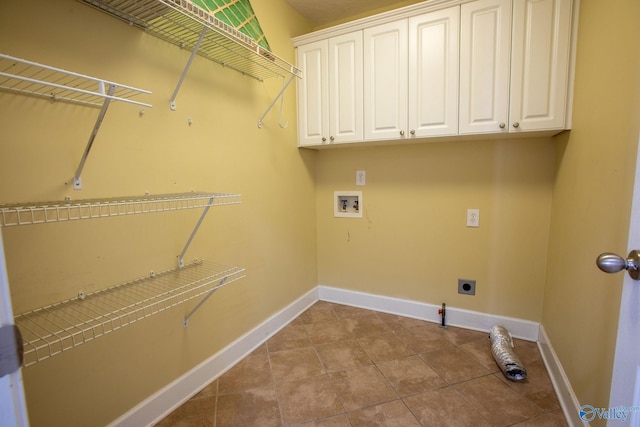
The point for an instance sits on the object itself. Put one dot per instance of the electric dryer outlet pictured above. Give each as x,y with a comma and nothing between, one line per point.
466,286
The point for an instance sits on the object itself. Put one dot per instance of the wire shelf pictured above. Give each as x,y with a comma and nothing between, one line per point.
181,23
51,330
31,78
46,212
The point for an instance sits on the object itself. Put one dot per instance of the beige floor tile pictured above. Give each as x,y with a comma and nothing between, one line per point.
454,365
361,387
341,355
537,387
551,419
347,311
384,347
365,325
480,350
460,336
527,351
337,421
444,408
318,313
327,331
424,338
410,375
496,401
296,364
255,407
291,336
250,372
260,351
399,322
209,391
341,366
390,414
193,413
308,399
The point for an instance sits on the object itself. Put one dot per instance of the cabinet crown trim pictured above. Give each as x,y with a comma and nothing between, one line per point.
378,19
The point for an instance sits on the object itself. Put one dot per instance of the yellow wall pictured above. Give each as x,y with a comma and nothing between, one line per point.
272,233
412,241
592,197
570,192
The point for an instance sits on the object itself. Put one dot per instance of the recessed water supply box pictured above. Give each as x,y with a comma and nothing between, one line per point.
347,204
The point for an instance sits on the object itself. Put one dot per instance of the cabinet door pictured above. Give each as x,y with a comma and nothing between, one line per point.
313,94
433,73
539,69
485,30
345,88
385,81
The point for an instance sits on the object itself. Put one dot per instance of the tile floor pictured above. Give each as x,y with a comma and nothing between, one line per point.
337,365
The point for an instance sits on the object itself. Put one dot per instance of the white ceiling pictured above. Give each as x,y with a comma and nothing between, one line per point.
321,12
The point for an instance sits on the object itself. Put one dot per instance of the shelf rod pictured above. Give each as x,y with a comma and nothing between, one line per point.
172,101
195,230
77,182
284,87
211,292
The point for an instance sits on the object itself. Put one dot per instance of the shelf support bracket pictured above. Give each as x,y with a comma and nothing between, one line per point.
285,84
185,323
77,182
195,230
172,101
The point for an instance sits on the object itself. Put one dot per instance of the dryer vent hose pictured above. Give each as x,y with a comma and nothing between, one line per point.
505,357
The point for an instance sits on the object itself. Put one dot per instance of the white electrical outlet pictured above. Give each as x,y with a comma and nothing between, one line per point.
473,217
361,177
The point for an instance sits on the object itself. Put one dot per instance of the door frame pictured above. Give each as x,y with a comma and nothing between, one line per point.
13,407
625,381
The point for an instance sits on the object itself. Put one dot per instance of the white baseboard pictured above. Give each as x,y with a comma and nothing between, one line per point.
566,396
166,400
163,402
519,328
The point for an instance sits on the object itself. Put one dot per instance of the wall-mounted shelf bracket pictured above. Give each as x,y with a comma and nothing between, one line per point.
31,78
194,52
211,292
285,84
187,26
77,182
54,329
195,230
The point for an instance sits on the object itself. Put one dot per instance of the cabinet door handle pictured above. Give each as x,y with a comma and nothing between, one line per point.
516,124
324,139
412,132
401,133
332,138
502,125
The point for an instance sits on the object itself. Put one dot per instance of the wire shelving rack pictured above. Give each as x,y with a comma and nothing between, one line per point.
53,329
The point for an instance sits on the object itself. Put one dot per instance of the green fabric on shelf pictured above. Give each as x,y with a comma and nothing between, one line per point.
238,14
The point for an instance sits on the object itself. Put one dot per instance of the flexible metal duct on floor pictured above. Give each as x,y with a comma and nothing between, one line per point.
505,357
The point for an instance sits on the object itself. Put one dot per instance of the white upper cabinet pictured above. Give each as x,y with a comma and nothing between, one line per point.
330,92
385,81
433,73
484,66
345,88
541,44
313,93
438,69
514,65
